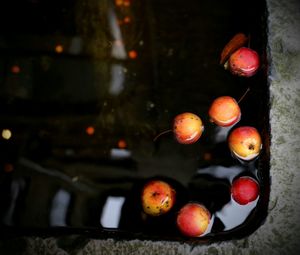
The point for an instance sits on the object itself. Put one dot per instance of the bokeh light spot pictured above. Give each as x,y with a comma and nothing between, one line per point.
59,48
127,19
132,54
6,134
122,144
15,69
90,130
8,168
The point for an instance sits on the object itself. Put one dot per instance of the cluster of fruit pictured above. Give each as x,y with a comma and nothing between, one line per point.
158,197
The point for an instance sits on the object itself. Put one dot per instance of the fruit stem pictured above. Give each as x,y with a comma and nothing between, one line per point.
162,133
242,97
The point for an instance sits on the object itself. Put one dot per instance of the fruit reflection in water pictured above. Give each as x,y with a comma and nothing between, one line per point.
245,142
244,190
158,197
224,111
193,220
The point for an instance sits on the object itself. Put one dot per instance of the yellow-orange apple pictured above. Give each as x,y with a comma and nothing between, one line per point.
245,142
193,219
187,128
158,197
224,111
244,190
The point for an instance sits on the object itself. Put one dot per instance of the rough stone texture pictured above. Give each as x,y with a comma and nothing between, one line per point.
281,232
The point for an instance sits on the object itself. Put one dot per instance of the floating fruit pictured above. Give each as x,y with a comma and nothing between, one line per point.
193,219
245,142
158,197
244,62
244,190
224,111
187,128
234,44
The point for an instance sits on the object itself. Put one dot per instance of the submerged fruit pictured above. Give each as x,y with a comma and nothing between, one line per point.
245,142
187,128
244,190
224,111
193,219
244,62
158,197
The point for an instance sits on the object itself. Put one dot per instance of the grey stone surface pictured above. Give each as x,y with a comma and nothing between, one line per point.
280,234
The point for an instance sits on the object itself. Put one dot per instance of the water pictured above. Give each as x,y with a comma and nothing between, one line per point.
83,116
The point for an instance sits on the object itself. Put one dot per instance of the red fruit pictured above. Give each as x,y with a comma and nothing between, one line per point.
193,219
224,111
187,128
245,143
244,190
158,197
244,62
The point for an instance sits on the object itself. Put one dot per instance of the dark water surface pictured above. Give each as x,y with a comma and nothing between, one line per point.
85,86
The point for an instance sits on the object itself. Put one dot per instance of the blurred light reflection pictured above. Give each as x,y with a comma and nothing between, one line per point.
119,2
118,49
233,214
120,153
75,46
8,167
15,69
59,48
127,19
6,134
59,209
126,3
117,80
111,213
17,187
122,144
90,130
132,54
221,172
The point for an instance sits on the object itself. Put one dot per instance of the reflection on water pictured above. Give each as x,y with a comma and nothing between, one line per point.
59,208
86,85
229,213
117,80
111,213
233,215
118,49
